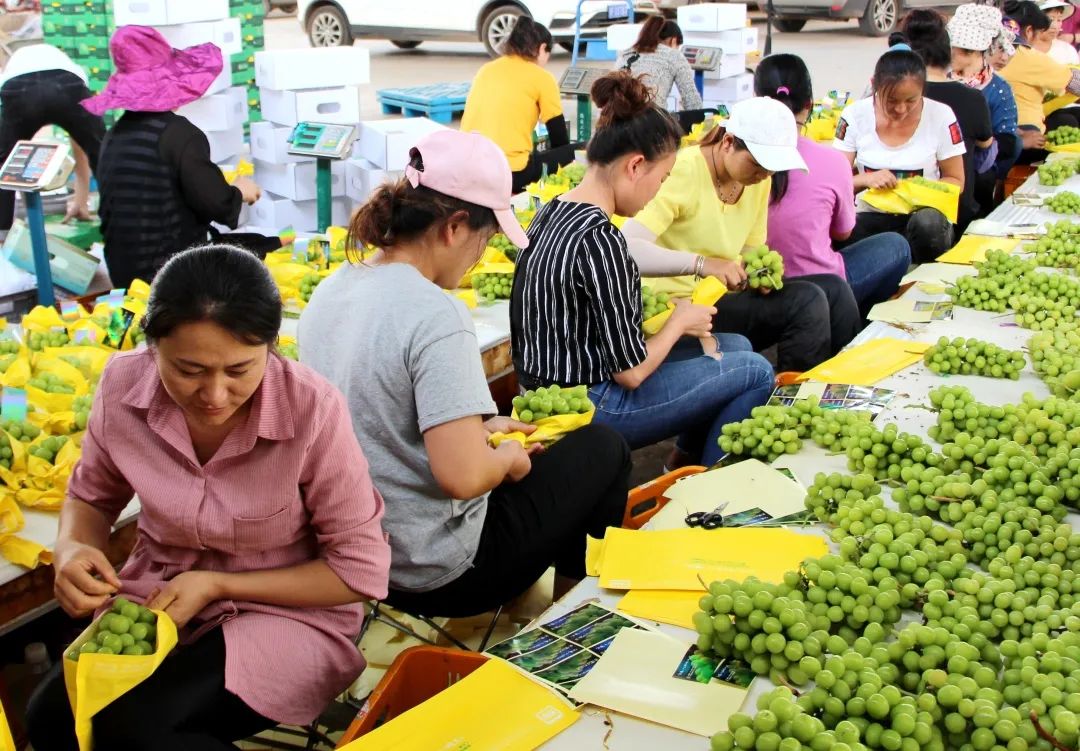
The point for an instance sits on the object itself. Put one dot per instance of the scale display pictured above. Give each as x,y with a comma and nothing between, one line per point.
33,166
702,58
322,140
578,81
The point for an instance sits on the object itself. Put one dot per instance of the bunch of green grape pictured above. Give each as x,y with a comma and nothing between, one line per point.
973,357
502,243
548,401
9,347
653,303
49,448
492,287
137,335
828,492
308,285
1057,172
6,361
1058,247
764,268
782,724
958,412
20,430
856,603
574,173
81,406
6,452
1000,277
39,340
51,383
1063,135
1056,351
1065,202
127,629
769,433
834,428
884,453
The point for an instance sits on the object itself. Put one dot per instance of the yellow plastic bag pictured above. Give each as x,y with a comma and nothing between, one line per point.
17,370
7,743
50,402
548,430
96,680
491,256
909,195
706,292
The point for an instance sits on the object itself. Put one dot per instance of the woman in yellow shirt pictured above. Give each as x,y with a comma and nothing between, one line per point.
712,208
1032,74
511,94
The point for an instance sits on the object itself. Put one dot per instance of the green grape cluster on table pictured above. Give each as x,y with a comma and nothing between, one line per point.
1059,247
960,356
502,243
51,383
1063,135
764,268
548,401
653,303
492,287
39,340
127,629
20,430
308,285
1065,202
1057,172
48,448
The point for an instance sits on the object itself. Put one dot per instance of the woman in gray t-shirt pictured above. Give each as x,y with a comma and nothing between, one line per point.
657,57
471,526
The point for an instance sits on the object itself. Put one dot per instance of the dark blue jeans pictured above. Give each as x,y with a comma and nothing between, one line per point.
875,266
691,395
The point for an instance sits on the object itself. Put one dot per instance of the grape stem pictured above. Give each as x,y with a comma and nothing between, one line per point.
1046,736
783,682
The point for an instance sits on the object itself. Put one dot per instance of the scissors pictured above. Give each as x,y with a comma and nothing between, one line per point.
707,519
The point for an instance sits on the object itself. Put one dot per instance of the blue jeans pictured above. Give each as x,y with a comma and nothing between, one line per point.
691,394
875,266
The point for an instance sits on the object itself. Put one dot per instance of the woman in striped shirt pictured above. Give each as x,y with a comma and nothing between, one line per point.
259,533
576,314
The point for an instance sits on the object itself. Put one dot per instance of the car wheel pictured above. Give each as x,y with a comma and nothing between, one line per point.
497,25
403,44
328,27
880,18
789,25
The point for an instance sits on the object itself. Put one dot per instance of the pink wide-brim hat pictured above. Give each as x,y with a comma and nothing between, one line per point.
151,76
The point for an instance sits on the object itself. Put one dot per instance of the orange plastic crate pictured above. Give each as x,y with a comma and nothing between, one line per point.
645,501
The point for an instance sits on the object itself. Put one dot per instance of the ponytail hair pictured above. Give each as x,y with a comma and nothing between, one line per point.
526,39
630,122
656,29
786,79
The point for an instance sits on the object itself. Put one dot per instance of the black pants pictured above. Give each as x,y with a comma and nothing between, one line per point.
183,706
578,486
810,319
560,156
34,100
928,231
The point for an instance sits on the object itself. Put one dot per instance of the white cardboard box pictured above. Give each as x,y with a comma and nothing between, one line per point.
217,112
270,143
168,12
312,68
222,82
732,42
730,65
340,106
363,177
225,34
298,181
225,145
727,90
712,17
303,216
386,143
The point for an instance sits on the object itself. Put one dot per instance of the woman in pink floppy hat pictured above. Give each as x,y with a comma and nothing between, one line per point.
159,190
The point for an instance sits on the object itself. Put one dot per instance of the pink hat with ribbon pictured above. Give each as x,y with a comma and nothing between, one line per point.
469,167
151,76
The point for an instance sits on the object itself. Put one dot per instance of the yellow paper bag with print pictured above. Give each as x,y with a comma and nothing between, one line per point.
89,331
97,680
69,374
887,200
934,194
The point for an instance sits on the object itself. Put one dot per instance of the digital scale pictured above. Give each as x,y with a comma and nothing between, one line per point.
702,58
577,82
327,143
31,168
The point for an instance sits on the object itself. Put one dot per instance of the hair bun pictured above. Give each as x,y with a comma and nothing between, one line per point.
620,96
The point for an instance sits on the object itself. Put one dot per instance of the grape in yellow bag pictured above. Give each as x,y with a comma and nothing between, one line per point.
89,360
15,368
491,256
11,475
934,194
548,429
288,277
50,367
706,292
96,680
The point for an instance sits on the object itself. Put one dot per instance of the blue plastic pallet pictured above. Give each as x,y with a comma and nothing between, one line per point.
438,101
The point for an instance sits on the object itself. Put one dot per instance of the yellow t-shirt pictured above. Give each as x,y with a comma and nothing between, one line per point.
508,97
688,215
1031,74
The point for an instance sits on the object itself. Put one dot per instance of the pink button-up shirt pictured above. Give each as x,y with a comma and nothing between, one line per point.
288,486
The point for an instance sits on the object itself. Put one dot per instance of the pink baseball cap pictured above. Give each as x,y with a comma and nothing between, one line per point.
469,167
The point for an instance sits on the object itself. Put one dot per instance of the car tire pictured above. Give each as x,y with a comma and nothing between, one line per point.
789,25
328,27
405,44
496,27
881,18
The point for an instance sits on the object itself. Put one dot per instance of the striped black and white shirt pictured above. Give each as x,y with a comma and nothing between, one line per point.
575,311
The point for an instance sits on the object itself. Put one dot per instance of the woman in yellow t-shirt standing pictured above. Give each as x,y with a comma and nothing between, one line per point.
511,94
713,207
1032,74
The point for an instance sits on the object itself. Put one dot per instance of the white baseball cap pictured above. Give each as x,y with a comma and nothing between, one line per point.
1051,4
768,129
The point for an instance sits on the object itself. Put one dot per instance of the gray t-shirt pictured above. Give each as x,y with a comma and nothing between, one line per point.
405,355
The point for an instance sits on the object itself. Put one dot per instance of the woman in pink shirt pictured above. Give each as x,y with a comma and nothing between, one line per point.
259,533
808,211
